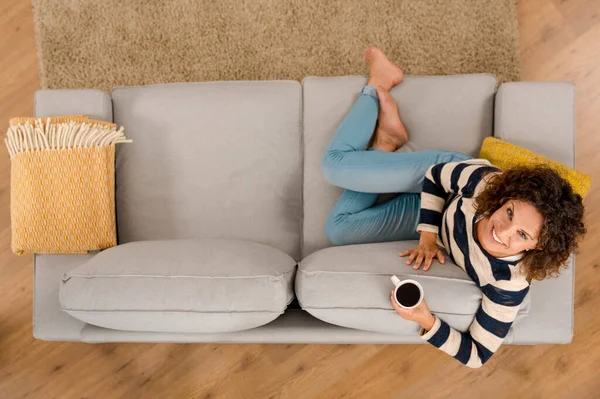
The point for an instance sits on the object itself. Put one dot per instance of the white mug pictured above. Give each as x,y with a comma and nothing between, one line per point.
398,283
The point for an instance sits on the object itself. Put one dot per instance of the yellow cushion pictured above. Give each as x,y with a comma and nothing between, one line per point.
505,155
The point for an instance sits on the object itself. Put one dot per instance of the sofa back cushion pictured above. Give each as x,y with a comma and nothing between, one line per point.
213,159
439,112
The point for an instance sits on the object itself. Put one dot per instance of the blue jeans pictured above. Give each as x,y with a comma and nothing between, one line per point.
364,173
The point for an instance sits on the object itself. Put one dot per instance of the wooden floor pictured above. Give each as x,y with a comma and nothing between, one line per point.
559,40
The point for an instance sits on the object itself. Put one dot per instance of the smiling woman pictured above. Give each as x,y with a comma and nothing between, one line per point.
504,228
530,211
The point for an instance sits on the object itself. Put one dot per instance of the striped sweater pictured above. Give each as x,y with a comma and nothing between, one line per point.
447,209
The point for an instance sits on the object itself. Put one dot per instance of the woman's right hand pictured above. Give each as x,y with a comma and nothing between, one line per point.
426,251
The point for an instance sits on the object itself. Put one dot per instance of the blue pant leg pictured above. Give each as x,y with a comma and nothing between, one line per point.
365,173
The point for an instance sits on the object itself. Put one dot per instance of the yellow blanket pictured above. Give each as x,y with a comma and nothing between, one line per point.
62,184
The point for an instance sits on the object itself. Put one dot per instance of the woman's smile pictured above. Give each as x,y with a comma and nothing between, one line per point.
495,238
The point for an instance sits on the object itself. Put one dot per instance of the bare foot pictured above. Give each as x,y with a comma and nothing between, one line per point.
391,133
382,72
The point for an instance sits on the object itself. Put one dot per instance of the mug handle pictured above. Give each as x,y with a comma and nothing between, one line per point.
396,281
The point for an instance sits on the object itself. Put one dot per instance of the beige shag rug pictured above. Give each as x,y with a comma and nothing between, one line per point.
107,43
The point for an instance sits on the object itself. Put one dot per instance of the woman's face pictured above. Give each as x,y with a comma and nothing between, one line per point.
513,228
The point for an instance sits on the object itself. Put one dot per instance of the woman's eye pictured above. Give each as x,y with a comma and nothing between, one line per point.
509,211
523,236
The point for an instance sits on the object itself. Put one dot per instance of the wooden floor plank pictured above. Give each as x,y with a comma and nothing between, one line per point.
558,41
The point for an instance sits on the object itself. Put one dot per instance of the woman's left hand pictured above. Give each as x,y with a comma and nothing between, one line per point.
420,314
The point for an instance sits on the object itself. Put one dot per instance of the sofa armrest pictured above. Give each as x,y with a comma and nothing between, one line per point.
95,104
49,321
538,116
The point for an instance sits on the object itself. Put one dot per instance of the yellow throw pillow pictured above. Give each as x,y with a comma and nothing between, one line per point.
505,155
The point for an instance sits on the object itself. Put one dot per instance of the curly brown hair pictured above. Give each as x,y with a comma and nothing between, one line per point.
553,197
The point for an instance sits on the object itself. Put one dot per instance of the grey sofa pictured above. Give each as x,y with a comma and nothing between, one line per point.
221,211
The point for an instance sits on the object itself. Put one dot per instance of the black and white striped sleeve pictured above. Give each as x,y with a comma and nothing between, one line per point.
448,178
496,314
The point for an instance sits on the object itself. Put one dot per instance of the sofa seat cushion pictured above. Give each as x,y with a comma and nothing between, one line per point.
350,286
188,285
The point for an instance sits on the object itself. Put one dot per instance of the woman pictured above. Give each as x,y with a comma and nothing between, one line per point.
505,229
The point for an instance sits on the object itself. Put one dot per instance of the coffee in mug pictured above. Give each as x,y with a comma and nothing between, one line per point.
408,293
